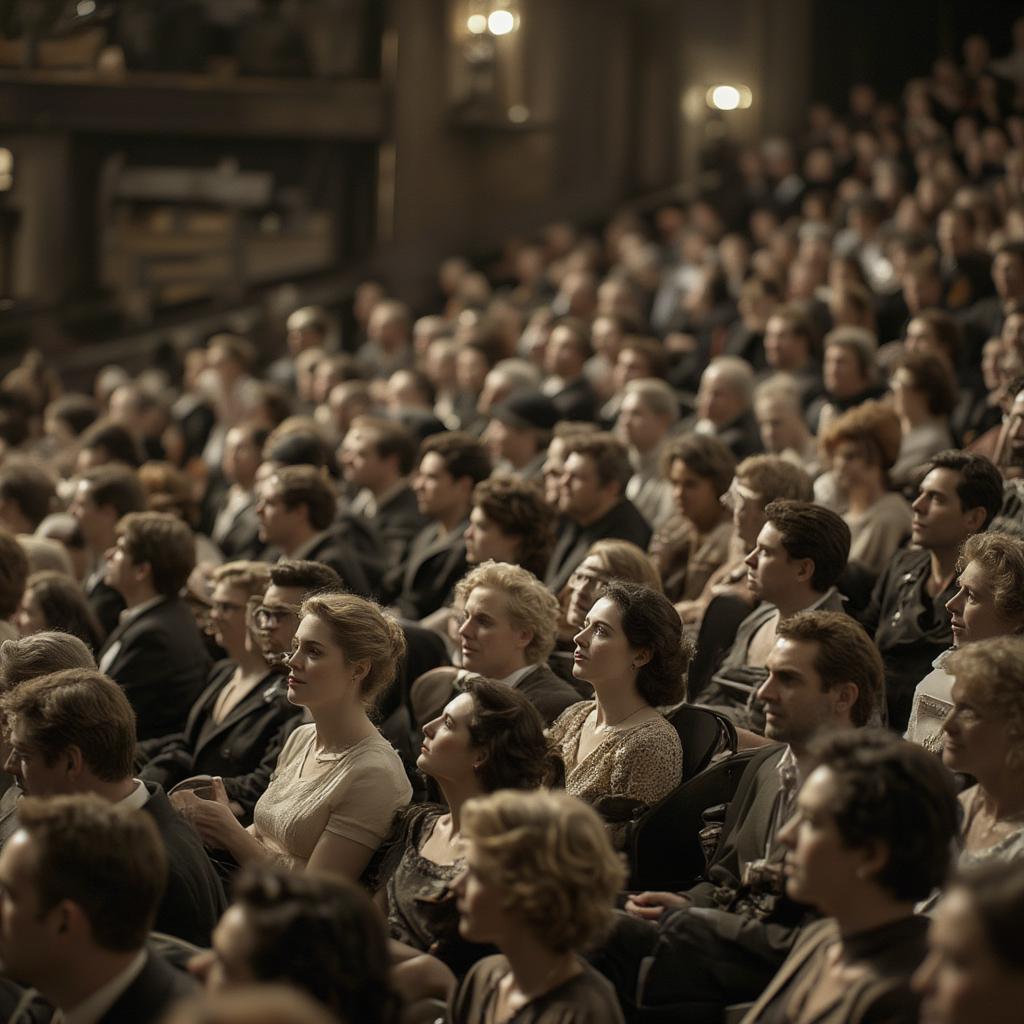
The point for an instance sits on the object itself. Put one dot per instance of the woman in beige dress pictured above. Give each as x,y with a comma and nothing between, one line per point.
338,782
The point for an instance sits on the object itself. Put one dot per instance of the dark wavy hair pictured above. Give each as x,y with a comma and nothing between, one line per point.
650,621
518,508
323,936
509,730
65,607
896,792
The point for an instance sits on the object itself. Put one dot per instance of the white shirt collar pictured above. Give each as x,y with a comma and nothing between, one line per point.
137,798
94,1007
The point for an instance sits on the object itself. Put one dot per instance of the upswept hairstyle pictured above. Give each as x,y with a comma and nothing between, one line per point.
509,731
844,654
981,484
551,855
306,485
364,633
518,508
1001,555
165,543
814,532
531,606
896,792
623,560
609,454
107,859
873,426
40,654
772,477
322,935
650,621
706,456
996,893
80,708
462,453
990,671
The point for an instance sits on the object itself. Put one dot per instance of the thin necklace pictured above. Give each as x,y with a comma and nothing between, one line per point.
622,721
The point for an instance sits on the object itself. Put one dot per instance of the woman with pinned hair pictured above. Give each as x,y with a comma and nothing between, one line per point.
631,650
54,601
539,883
338,782
487,738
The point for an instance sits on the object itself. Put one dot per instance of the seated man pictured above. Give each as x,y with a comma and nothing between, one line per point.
565,357
156,654
507,633
824,674
799,554
960,495
296,510
81,880
989,602
450,466
725,406
519,433
592,498
871,835
74,732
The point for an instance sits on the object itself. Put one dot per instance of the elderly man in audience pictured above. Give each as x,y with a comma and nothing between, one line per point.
82,879
74,732
156,653
989,602
724,406
723,940
959,496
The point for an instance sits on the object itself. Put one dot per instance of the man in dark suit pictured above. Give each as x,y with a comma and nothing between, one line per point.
723,940
82,879
73,732
103,496
377,456
296,510
451,465
235,529
156,653
567,352
592,498
507,633
725,406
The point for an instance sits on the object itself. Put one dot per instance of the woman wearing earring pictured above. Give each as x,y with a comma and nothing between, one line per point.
539,883
338,782
632,652
487,738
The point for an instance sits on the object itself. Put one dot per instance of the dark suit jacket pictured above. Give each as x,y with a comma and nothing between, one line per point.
889,956
622,522
334,550
106,603
161,664
437,561
194,898
398,521
548,693
243,748
242,538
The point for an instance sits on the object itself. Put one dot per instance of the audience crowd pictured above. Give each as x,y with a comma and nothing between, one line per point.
356,683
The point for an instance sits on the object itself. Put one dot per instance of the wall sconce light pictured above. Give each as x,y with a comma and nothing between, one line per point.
486,86
728,97
496,18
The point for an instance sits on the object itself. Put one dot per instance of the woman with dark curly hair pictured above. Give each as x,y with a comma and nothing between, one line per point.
53,601
510,522
487,738
314,933
631,650
540,881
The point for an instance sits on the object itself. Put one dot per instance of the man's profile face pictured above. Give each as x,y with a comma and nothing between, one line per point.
938,516
771,573
276,628
27,933
580,491
34,775
796,706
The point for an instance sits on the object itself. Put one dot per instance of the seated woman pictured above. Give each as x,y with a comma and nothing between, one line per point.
862,446
984,737
338,782
924,397
869,838
974,970
53,601
239,723
315,934
489,737
632,652
540,881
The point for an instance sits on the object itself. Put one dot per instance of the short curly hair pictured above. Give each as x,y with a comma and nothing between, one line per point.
1001,555
706,456
873,426
531,605
551,854
519,510
990,672
650,621
896,792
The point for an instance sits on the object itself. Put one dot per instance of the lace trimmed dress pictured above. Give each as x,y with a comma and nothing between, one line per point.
356,797
643,763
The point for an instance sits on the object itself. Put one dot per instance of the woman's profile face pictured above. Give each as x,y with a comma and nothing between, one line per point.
603,654
977,738
448,752
961,980
318,672
29,618
479,898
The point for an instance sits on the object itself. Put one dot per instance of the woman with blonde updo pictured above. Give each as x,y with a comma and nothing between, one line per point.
540,882
338,782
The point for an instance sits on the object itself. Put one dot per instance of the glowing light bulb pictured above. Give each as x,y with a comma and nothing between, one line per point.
725,97
477,24
500,23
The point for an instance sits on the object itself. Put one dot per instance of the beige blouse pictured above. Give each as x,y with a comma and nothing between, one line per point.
356,798
643,763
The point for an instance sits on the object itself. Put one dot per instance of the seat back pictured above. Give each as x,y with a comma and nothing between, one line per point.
703,733
663,845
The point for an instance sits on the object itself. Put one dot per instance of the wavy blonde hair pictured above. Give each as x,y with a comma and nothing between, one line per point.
551,855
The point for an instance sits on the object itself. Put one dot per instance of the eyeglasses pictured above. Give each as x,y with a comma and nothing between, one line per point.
271,616
737,495
583,580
